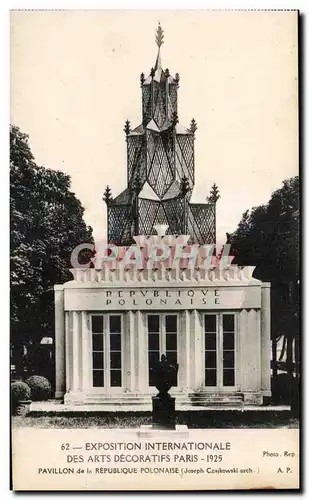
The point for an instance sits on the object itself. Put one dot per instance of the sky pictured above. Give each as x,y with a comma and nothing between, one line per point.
75,80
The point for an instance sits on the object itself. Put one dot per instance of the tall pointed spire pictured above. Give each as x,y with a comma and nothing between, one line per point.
160,168
159,40
158,64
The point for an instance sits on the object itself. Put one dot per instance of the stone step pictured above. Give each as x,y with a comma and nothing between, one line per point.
216,399
128,398
182,399
140,401
55,407
216,403
221,401
214,396
134,395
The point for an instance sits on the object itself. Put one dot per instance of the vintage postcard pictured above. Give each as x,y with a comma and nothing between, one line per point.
155,330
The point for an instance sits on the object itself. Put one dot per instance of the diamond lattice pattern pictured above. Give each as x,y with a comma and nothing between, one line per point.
160,173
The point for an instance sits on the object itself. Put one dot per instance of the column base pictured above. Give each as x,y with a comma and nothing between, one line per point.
76,398
59,394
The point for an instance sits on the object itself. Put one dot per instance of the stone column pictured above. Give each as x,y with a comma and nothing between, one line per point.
141,354
75,351
265,339
130,365
197,376
251,359
68,364
242,351
59,342
184,351
85,353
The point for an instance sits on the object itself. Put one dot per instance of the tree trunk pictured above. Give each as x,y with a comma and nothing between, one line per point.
295,387
282,353
274,356
290,371
297,357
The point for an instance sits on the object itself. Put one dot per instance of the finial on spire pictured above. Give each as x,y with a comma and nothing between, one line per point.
107,197
159,36
184,186
175,119
193,126
214,194
127,127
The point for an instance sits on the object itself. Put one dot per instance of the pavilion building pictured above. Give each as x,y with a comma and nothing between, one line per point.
114,320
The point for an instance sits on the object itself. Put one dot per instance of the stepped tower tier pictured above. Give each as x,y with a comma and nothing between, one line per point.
160,168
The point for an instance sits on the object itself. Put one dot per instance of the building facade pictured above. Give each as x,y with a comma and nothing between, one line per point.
115,320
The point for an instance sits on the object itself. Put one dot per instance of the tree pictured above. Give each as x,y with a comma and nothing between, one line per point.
272,231
46,225
268,237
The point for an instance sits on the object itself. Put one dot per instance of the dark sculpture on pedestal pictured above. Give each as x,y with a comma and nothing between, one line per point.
163,405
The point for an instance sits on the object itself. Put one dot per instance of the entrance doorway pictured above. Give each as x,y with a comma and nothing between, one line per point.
220,351
162,333
107,362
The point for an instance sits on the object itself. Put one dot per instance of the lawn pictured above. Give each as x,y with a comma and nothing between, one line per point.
196,419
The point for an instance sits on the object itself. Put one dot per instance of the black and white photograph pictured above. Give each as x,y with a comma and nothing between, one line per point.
154,252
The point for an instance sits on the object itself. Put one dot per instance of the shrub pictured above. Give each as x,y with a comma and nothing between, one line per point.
285,389
20,391
40,388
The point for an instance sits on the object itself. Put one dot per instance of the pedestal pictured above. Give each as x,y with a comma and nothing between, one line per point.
150,432
163,412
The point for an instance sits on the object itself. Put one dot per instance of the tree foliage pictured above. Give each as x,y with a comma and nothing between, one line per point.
46,225
268,237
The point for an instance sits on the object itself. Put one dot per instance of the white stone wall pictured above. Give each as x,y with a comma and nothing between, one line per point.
265,339
59,342
73,343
